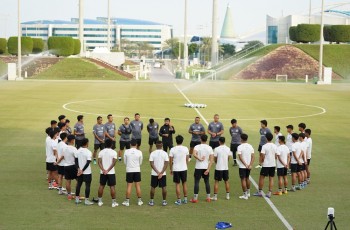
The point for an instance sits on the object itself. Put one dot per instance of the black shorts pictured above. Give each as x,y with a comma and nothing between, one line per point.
302,167
87,178
51,167
282,171
199,173
214,144
308,161
78,143
152,141
108,179
234,149
138,142
295,168
221,175
194,143
167,145
124,144
133,177
155,182
268,171
244,173
70,172
100,146
259,148
180,176
60,170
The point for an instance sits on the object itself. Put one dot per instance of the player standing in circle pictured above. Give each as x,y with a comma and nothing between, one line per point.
303,143
152,129
204,155
197,130
276,131
110,130
178,168
68,128
124,132
166,132
137,127
263,131
235,132
60,160
70,169
308,153
296,161
245,161
79,131
283,161
51,157
83,160
106,161
159,161
222,155
133,160
99,134
215,130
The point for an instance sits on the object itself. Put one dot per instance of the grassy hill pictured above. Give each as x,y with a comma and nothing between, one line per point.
78,69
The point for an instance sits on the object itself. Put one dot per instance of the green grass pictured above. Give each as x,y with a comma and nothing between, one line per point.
27,108
3,68
78,69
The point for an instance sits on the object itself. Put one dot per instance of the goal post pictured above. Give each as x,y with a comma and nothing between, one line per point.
282,77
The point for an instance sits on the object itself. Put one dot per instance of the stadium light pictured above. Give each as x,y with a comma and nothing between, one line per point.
320,70
19,38
185,41
109,27
214,45
81,26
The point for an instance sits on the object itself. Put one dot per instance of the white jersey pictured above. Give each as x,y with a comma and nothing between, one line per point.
159,157
289,142
246,151
133,160
69,154
203,150
179,154
60,148
107,155
309,148
269,150
51,145
304,148
282,152
84,155
276,139
296,148
222,154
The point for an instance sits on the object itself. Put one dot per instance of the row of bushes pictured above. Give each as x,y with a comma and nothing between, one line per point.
59,46
304,33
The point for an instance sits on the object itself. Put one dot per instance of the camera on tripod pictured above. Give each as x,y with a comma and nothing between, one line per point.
331,217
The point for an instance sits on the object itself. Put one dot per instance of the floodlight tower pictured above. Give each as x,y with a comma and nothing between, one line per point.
81,26
19,50
214,45
185,41
109,27
320,69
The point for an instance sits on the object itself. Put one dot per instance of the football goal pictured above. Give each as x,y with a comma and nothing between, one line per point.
281,77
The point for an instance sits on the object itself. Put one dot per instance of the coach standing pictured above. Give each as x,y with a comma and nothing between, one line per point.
166,132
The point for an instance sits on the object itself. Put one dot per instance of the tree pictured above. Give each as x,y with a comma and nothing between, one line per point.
293,33
61,46
143,49
308,33
228,50
340,33
38,45
172,43
3,44
26,45
205,48
77,46
192,48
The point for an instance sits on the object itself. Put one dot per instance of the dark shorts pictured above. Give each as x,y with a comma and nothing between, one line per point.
138,142
152,141
100,146
234,149
133,177
268,171
221,175
308,161
70,172
282,171
51,167
124,145
155,182
194,143
87,178
60,170
199,173
113,144
259,148
295,168
108,179
302,167
78,143
214,144
180,176
244,173
167,145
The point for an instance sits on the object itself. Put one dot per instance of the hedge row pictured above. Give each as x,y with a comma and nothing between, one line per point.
3,44
26,45
64,46
337,33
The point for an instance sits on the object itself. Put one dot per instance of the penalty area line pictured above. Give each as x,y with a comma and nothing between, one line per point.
268,201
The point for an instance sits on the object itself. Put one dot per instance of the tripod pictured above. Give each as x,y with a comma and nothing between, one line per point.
331,222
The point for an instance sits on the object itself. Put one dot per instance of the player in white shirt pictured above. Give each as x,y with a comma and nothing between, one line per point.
60,160
245,162
83,160
268,163
51,157
308,153
159,161
106,161
289,143
303,143
222,155
178,159
283,161
133,160
70,169
277,133
204,155
296,161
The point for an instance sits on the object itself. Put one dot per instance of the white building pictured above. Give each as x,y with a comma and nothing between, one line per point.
277,29
95,31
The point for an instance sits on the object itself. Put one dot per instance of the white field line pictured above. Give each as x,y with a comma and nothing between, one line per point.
273,207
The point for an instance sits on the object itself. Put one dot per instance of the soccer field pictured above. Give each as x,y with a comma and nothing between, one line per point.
27,108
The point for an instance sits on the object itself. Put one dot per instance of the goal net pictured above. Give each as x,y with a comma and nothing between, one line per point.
281,77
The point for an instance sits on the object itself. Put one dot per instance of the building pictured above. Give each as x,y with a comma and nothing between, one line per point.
277,29
95,31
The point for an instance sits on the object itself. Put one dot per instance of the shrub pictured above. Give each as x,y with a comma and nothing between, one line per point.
293,33
26,45
38,45
3,44
328,34
77,46
61,46
308,33
341,33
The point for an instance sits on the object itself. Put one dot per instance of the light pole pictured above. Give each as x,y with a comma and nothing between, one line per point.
19,38
185,42
320,69
81,26
310,12
109,27
214,43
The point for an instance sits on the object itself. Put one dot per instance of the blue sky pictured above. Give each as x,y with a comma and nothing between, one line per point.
248,15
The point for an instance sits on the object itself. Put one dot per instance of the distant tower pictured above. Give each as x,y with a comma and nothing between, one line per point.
227,28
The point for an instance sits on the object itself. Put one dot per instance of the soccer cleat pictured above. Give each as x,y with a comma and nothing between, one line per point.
208,199
119,159
77,201
60,192
258,167
268,195
257,194
50,187
184,201
87,202
126,203
189,159
54,185
243,197
139,203
69,197
227,196
151,203
95,162
292,189
178,202
285,191
298,187
277,193
248,195
193,200
235,164
114,204
100,203
213,198
164,203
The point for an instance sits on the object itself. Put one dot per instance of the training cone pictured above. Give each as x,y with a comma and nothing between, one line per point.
223,225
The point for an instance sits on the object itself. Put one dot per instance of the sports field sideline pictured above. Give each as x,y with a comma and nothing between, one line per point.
27,108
